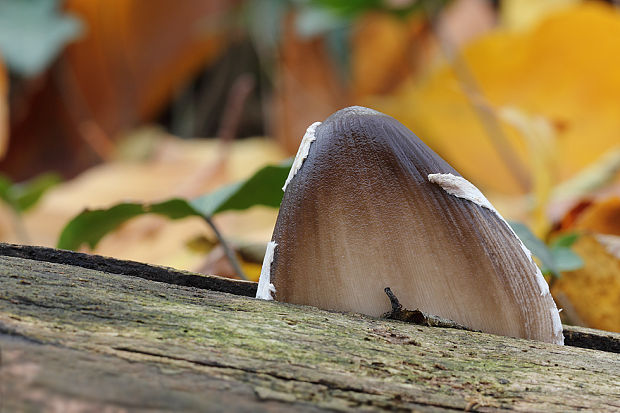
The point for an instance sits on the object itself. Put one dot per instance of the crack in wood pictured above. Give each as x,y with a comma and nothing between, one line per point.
574,336
130,268
331,385
329,360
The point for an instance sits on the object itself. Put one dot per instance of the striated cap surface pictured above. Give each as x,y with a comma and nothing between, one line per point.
360,214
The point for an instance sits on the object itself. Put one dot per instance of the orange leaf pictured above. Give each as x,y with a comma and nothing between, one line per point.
307,87
136,53
601,217
384,50
121,73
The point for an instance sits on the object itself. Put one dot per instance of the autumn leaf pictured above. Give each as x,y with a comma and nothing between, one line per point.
131,60
304,93
140,52
386,49
601,217
563,69
591,295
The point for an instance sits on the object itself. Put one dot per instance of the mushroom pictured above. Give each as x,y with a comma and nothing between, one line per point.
367,205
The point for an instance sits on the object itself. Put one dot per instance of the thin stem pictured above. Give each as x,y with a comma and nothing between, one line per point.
485,112
81,114
396,306
230,254
231,119
489,121
235,103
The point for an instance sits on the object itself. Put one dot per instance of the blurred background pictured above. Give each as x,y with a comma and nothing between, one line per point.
106,101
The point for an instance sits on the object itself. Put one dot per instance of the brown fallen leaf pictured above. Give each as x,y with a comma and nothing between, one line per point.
140,52
385,50
307,86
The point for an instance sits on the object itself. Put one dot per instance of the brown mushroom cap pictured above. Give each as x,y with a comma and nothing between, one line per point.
360,214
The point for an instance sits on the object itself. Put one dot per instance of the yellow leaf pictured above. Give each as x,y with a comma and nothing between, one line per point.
566,69
523,14
540,137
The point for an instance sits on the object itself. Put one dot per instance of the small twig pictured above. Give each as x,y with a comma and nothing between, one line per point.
482,108
418,317
231,119
230,254
81,114
237,98
396,306
235,103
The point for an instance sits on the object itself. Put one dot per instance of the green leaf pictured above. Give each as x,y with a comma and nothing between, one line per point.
354,8
5,185
262,188
566,259
24,195
537,247
33,33
553,260
565,240
92,225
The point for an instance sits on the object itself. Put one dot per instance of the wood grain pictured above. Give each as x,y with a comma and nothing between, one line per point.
79,339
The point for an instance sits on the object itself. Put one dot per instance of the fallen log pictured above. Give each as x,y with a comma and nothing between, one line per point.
88,333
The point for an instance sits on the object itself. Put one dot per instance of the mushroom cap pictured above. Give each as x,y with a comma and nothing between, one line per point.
360,214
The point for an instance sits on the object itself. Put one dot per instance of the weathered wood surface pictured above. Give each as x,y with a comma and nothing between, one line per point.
78,339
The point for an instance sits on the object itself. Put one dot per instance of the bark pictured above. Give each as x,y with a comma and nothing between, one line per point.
75,338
